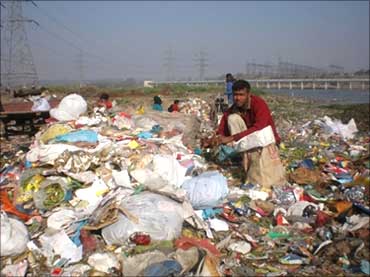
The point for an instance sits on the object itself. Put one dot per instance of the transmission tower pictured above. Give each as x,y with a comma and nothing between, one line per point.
80,67
201,62
169,64
21,70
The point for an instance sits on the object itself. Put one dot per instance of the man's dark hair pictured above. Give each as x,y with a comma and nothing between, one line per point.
241,84
157,100
176,101
104,96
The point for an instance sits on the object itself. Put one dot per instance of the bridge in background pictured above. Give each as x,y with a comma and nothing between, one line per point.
351,84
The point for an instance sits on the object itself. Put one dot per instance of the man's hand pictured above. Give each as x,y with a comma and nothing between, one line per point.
224,140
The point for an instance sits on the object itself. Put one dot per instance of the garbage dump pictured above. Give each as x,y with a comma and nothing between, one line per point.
114,193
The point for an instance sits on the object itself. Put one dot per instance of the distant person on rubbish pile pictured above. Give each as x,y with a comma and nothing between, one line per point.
104,101
229,88
174,107
250,114
157,106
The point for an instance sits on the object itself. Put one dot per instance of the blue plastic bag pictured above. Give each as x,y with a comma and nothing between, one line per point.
81,135
165,268
145,135
226,152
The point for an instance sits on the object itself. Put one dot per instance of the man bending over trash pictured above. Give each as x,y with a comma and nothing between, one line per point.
248,126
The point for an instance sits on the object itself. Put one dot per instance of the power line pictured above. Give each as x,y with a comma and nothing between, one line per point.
57,21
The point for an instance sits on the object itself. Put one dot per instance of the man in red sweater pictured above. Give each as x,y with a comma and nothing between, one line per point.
249,114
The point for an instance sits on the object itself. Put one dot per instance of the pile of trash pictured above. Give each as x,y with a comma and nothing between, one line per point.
119,194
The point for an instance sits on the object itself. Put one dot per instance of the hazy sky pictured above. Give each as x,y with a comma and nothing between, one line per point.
129,39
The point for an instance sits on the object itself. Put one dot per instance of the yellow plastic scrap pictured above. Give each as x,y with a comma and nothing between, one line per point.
140,110
133,144
55,130
32,185
188,233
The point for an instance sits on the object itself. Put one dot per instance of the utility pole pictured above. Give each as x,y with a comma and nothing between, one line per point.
169,64
201,62
20,69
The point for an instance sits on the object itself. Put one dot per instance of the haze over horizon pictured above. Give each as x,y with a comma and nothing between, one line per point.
129,39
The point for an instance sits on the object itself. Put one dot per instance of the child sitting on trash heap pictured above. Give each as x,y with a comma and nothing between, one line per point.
174,107
104,101
157,106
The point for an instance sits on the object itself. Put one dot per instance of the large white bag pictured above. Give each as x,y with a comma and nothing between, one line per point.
70,108
206,190
157,215
14,236
260,138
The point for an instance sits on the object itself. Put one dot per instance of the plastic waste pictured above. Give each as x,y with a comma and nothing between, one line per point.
240,247
18,269
207,190
158,216
103,262
226,152
186,243
140,238
8,207
70,108
59,244
346,131
134,265
40,104
77,136
52,192
53,131
14,236
169,169
187,258
165,268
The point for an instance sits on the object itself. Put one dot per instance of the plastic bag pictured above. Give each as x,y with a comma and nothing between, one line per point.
144,122
40,104
70,108
158,216
134,265
14,236
346,131
55,130
52,192
169,169
206,190
225,152
81,135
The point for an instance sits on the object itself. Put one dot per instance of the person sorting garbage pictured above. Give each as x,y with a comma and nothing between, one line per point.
248,127
157,105
104,101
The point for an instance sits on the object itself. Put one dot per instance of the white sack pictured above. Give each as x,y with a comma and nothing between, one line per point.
260,138
14,236
70,108
206,190
157,215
